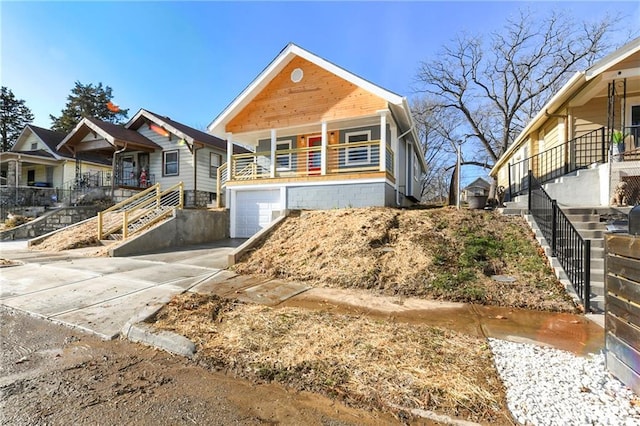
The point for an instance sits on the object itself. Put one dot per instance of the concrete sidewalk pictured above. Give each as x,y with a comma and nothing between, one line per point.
102,294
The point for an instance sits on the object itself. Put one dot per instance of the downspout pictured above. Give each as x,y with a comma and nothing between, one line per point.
113,168
400,137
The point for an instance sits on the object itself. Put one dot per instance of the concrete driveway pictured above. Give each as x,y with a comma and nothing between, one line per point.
101,294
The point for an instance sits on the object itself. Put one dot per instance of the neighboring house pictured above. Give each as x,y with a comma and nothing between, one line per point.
322,138
150,149
477,188
576,131
35,161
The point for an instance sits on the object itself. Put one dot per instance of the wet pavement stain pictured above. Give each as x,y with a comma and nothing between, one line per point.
569,332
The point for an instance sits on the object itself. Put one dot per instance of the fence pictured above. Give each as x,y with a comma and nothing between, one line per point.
622,320
567,245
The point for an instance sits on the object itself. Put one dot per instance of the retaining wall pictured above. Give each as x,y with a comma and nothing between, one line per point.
187,227
49,222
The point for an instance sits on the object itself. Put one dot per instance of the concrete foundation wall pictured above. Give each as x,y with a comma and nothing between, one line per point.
49,222
336,196
187,227
583,189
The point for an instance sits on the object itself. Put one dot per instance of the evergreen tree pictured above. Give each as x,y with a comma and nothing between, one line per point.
14,115
87,100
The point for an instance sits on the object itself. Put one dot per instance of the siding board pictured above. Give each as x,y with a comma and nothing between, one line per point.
320,96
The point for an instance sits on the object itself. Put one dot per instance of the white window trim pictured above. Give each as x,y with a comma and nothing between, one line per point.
631,102
164,162
368,148
288,142
214,174
34,146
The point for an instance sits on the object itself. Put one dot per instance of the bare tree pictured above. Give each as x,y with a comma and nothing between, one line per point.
494,88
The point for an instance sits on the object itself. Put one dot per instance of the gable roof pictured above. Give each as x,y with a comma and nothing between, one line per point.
478,183
566,92
183,131
397,104
284,57
48,137
115,135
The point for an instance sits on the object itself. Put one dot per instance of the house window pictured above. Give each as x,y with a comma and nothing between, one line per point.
170,163
416,169
34,146
283,161
358,155
215,161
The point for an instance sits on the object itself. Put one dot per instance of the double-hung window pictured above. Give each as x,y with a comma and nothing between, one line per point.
215,161
283,161
358,155
170,161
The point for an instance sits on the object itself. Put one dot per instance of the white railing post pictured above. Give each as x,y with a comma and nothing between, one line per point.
274,144
383,141
323,150
230,170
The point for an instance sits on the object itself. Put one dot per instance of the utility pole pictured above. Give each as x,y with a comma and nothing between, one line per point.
458,162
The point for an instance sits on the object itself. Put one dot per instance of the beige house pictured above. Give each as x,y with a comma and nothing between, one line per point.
589,130
35,161
321,138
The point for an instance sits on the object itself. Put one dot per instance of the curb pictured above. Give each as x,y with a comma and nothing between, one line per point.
165,340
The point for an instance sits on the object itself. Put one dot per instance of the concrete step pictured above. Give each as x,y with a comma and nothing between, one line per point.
597,304
590,225
591,234
508,211
581,217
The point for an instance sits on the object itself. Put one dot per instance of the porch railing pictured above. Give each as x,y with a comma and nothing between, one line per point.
140,211
354,157
576,154
567,245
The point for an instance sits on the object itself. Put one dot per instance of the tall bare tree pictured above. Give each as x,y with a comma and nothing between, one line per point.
495,84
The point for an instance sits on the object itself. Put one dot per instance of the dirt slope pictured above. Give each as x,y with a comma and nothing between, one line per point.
438,253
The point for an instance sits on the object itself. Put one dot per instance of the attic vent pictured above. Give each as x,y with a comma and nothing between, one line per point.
296,75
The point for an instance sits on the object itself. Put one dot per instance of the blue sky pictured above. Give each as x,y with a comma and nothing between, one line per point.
188,60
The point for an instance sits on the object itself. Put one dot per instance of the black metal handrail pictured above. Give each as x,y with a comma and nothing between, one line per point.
567,245
576,154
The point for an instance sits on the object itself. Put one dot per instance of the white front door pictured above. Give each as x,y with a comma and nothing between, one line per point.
253,210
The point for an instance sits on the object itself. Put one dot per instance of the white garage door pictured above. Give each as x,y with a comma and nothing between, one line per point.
254,210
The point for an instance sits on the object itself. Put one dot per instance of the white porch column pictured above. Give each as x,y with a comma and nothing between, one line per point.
396,159
383,140
274,143
229,155
323,150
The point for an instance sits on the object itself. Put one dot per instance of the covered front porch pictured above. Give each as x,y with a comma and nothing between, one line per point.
324,151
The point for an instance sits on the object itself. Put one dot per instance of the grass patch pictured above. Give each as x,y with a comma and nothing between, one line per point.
360,361
436,253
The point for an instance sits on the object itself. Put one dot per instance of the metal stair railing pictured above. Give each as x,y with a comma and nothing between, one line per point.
141,211
576,154
567,245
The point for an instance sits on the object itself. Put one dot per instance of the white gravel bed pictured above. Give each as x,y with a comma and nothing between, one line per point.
547,386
